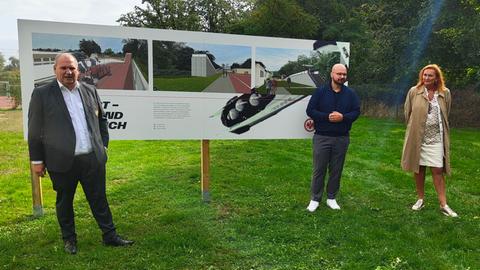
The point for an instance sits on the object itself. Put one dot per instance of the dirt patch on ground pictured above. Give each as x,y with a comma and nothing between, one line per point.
11,121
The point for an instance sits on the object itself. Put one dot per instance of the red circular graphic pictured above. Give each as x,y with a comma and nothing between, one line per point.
309,125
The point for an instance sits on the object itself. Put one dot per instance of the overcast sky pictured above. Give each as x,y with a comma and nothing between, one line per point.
104,12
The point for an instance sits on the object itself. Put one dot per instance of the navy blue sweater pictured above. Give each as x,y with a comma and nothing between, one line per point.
324,101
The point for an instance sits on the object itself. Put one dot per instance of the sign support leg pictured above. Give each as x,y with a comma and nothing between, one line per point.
205,178
36,193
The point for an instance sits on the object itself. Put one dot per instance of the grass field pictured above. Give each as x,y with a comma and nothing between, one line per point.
294,89
184,84
257,217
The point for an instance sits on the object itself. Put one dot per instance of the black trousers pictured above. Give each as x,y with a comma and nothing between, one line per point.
328,152
91,174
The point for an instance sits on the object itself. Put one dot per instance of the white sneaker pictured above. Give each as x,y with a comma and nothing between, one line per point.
332,203
418,205
312,206
447,211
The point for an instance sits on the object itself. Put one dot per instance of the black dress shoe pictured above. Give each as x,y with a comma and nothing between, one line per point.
70,246
117,241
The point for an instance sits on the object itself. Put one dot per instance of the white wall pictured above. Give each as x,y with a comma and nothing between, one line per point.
260,80
202,66
43,72
302,78
139,82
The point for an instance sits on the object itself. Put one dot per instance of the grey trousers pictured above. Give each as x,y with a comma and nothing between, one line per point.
328,152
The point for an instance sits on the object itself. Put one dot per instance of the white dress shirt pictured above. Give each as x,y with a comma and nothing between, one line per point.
83,144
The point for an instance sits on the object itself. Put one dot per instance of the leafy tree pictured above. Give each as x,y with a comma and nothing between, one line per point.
89,47
13,77
218,15
109,52
194,15
11,74
165,14
14,63
383,54
315,61
2,61
184,55
247,63
164,54
134,46
174,58
139,50
455,43
279,18
331,16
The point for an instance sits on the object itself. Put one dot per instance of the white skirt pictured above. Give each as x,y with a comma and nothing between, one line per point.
431,155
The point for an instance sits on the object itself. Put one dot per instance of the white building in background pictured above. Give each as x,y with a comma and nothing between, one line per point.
202,66
43,66
261,74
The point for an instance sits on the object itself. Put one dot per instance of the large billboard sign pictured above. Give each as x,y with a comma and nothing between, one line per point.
167,84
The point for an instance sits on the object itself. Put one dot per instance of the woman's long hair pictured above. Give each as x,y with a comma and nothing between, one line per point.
439,82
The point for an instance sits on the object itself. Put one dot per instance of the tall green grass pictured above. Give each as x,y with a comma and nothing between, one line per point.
257,217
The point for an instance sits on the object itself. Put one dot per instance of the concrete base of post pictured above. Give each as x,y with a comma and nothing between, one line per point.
37,211
206,196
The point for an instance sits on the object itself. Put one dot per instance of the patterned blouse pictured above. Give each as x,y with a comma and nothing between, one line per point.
433,127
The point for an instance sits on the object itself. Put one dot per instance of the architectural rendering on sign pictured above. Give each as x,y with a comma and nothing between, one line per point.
107,63
167,84
200,67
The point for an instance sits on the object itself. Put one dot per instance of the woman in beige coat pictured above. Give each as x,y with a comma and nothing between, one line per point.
427,142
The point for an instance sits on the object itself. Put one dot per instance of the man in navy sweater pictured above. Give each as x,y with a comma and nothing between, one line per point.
333,108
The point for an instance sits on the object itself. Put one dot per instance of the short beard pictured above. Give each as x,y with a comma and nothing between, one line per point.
338,83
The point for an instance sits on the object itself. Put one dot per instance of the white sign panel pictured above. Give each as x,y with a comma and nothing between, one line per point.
166,84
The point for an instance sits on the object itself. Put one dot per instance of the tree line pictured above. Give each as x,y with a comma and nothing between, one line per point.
390,40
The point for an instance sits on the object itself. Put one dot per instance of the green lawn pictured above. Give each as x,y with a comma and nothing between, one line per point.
184,84
257,217
294,89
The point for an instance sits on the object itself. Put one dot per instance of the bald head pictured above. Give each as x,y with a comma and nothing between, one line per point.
66,70
339,67
65,55
338,74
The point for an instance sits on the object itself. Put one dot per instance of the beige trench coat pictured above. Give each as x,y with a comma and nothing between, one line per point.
415,109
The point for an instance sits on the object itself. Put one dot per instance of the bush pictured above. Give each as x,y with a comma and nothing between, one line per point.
13,78
381,100
464,111
385,101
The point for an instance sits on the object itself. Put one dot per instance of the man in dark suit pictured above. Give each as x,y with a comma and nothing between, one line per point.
68,136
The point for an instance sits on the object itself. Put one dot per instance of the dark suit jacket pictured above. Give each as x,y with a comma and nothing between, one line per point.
51,137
